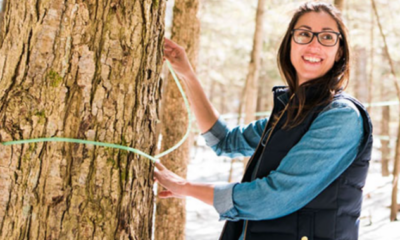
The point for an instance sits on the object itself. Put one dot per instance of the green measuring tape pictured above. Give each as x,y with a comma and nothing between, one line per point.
110,145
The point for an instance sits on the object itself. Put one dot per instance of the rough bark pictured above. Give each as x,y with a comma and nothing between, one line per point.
171,213
87,70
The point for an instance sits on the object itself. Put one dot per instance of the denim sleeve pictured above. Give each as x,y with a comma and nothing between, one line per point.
325,151
236,142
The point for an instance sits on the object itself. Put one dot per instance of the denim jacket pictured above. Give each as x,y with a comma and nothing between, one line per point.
339,126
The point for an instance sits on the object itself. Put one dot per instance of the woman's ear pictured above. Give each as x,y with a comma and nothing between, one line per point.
339,54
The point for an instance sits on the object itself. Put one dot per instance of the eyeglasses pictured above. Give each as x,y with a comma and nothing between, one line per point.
326,38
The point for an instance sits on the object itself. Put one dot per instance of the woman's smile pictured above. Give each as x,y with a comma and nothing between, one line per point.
312,59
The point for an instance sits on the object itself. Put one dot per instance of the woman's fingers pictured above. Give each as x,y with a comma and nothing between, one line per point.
170,54
169,43
159,166
169,180
160,177
168,194
168,46
172,51
176,55
165,194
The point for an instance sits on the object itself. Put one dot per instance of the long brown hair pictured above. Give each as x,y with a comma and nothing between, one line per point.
323,88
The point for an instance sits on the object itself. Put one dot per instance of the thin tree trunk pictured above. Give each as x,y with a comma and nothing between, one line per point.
339,4
385,149
251,87
254,65
396,169
222,100
262,93
371,69
87,70
171,213
361,89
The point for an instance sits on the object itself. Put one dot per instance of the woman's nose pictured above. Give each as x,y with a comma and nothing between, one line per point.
315,42
314,45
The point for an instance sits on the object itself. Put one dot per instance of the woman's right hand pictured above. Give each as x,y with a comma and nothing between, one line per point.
176,55
206,115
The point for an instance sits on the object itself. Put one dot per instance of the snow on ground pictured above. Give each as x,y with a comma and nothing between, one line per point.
202,220
375,223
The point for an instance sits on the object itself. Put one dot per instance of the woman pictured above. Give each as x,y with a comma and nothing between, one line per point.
309,161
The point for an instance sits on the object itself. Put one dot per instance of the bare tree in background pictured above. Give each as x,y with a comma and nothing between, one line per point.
86,70
385,143
360,67
339,4
396,169
371,68
251,87
385,119
171,213
264,95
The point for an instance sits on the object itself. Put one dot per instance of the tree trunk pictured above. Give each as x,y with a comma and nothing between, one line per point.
222,100
384,93
260,97
171,213
371,69
87,70
385,149
264,94
361,89
251,87
339,4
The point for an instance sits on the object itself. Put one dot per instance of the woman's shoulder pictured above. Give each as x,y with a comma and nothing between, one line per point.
343,104
341,112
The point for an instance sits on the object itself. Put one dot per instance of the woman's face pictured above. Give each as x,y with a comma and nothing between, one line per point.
313,60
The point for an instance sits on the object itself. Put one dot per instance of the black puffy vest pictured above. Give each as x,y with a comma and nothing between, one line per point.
334,213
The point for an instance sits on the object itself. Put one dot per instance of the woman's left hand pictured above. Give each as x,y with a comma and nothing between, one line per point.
174,184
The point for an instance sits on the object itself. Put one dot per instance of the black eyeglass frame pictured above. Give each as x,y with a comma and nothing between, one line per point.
339,36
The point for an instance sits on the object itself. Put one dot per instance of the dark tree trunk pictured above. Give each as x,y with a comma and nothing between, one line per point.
87,70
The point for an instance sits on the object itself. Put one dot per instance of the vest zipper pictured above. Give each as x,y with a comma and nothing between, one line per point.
266,142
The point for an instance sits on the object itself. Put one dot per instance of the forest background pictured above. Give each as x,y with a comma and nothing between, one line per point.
225,50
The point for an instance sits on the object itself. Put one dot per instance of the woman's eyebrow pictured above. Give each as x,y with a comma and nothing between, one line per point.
305,26
323,29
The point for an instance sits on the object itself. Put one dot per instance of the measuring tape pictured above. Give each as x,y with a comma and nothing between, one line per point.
110,145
